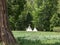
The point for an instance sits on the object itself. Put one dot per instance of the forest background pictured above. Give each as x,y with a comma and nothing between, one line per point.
42,14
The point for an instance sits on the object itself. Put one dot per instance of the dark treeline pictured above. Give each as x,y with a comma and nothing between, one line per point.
42,14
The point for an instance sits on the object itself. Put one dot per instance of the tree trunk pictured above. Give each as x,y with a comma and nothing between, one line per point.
5,34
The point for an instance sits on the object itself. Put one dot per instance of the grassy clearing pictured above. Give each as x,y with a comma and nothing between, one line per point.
37,38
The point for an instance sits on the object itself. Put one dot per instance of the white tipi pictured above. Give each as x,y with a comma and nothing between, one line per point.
29,28
35,29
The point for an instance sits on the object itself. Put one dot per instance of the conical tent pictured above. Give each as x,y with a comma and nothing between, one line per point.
6,35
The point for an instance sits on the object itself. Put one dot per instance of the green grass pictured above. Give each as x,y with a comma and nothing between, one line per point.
37,38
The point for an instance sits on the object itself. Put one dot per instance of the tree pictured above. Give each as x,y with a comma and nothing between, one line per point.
42,11
17,14
6,34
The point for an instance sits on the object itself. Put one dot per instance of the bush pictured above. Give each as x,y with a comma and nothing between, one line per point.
56,29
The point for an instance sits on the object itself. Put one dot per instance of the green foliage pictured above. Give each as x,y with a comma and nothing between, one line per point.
56,29
16,13
54,21
42,14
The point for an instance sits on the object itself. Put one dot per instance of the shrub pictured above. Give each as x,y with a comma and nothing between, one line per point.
56,29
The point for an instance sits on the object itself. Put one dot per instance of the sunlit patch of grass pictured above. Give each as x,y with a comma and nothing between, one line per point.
37,38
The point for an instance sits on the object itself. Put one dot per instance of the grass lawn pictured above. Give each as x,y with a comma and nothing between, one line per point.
37,38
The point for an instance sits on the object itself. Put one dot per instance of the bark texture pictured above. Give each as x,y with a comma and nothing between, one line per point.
6,35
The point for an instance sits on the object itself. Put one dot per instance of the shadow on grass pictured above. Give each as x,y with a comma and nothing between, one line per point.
23,41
